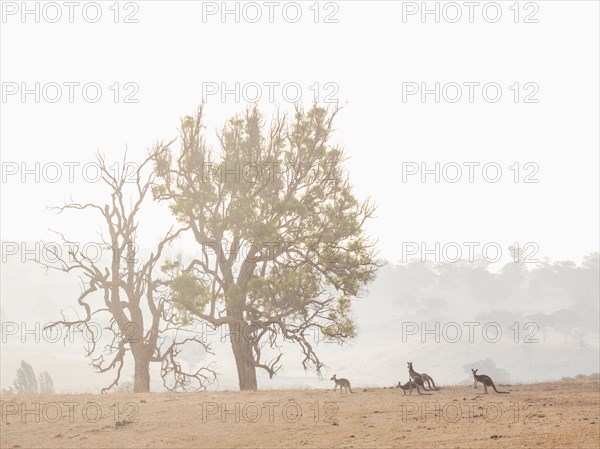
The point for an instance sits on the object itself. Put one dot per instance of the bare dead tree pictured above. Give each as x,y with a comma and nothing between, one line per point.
280,233
125,294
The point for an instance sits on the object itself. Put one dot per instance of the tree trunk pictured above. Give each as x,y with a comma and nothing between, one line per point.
141,377
244,359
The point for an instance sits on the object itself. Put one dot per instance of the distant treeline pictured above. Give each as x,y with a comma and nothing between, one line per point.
593,376
558,296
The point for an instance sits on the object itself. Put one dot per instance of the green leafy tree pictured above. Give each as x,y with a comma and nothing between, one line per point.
25,383
280,233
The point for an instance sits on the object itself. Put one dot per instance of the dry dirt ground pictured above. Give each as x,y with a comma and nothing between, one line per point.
549,415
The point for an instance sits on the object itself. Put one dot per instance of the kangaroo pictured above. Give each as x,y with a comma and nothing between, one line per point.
409,386
486,381
418,378
429,381
342,383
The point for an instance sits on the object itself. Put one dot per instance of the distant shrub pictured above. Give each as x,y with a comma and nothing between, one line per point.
593,376
124,387
46,383
25,383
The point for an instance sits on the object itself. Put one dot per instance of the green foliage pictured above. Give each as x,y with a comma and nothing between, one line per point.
285,291
282,194
341,325
189,295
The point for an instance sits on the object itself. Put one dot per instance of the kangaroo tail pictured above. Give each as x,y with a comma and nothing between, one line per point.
433,383
351,392
499,392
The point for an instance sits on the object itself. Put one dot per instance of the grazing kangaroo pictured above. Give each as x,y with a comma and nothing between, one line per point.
409,386
342,383
418,378
486,381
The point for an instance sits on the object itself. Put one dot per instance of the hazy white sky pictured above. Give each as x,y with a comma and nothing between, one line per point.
175,52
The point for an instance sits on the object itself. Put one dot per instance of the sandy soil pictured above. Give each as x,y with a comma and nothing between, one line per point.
550,415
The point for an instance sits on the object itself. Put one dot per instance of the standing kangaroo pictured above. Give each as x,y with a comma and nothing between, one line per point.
429,381
409,386
486,381
420,379
342,383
